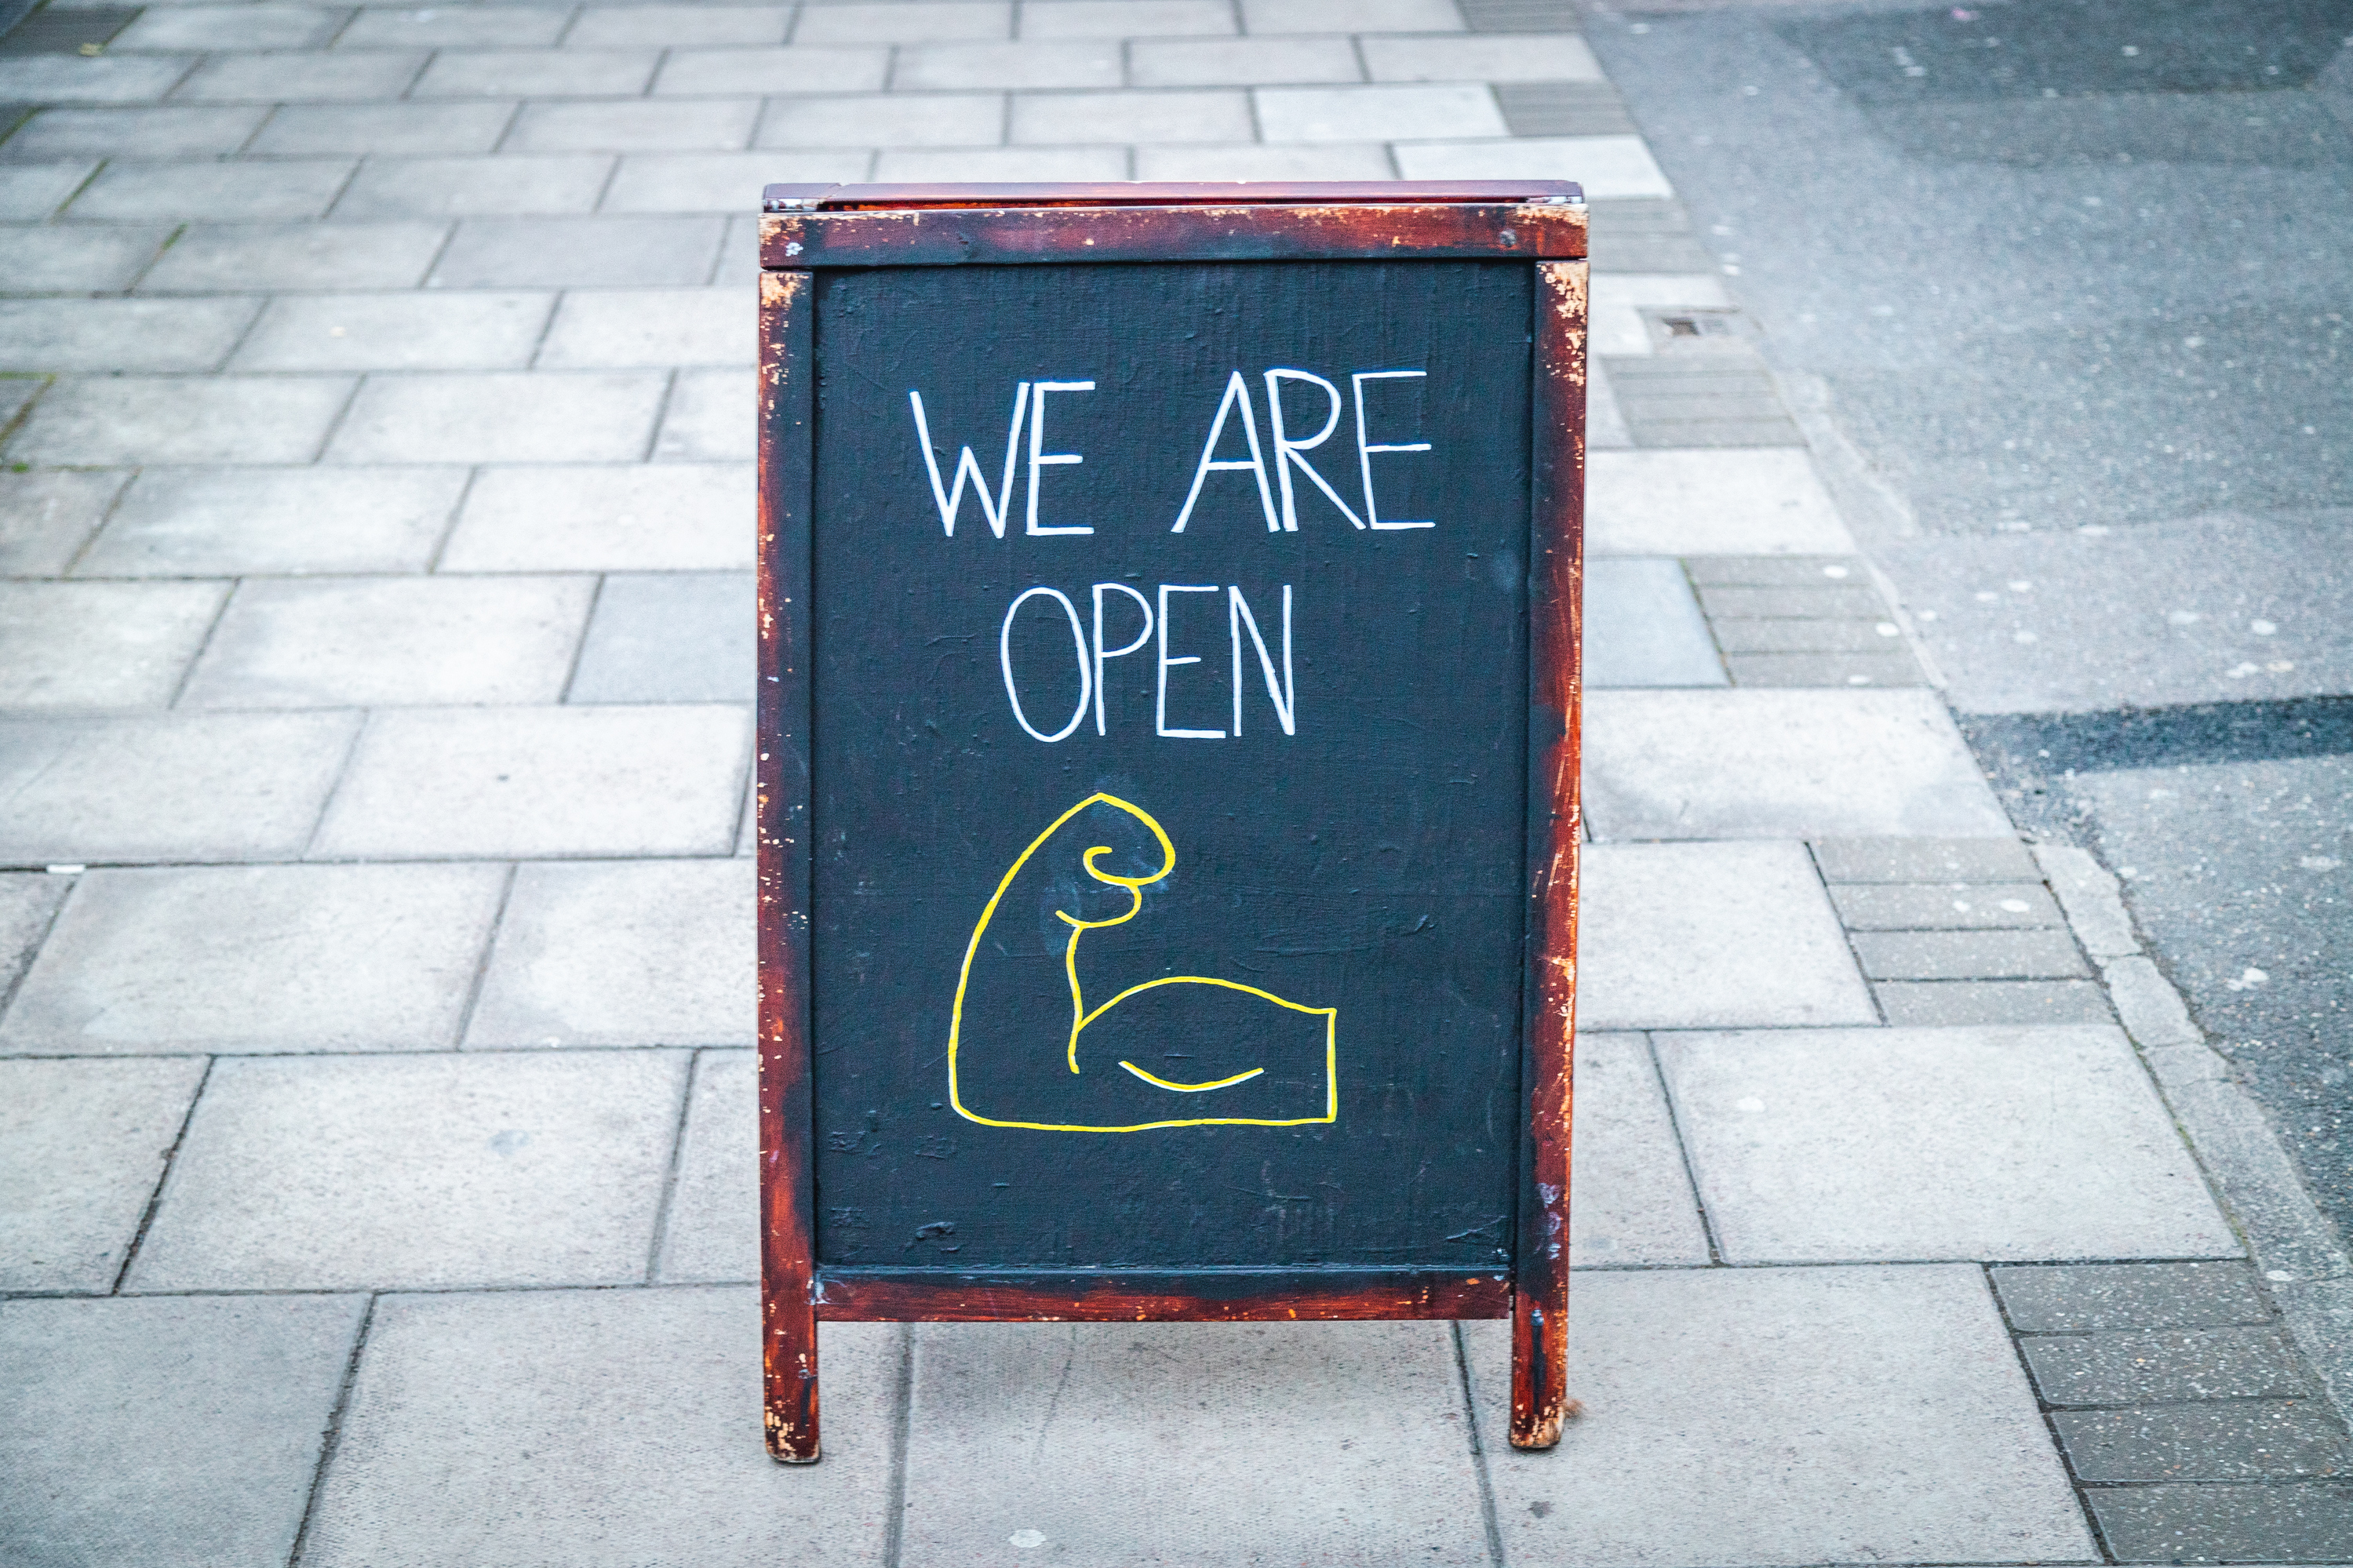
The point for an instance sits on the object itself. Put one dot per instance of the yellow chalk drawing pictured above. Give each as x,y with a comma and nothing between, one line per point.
1082,1016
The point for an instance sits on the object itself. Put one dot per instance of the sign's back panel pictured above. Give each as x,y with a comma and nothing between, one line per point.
1171,753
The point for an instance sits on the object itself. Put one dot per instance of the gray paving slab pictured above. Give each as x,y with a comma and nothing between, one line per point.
1263,17
708,418
713,1231
708,72
1045,118
1704,503
381,129
459,26
670,517
1718,399
1894,667
1925,859
34,191
434,1172
575,417
1609,167
1970,956
1377,113
213,257
1252,161
177,1433
623,328
1766,764
1856,636
96,421
1564,108
1762,1416
927,119
68,79
29,903
502,187
67,261
1124,18
194,523
723,182
1969,1002
635,125
216,786
46,517
1078,62
1207,62
259,959
70,646
82,1145
2081,1298
529,782
1699,935
1217,1439
2256,1440
144,133
1558,57
1012,164
16,394
602,252
476,330
2138,1367
386,642
1944,906
1643,628
225,27
670,638
303,76
1997,1143
537,73
444,1451
677,26
640,953
1605,426
2309,1524
146,192
1630,1200
66,336
905,22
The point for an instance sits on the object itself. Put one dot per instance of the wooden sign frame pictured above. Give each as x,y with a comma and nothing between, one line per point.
806,227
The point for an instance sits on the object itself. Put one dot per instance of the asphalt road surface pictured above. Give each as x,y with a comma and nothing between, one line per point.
2062,292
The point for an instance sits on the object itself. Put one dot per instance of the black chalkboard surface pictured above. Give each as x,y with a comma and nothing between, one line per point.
1151,699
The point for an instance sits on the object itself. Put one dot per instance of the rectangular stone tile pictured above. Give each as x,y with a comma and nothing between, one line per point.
580,253
1609,167
472,331
1557,58
458,187
2309,1524
618,328
677,26
713,1229
1761,644
635,125
322,1173
1909,906
1630,1200
2081,1298
432,783
228,523
226,27
375,642
58,260
226,787
1187,62
91,421
1564,108
443,1453
82,1145
304,77
2263,1441
1068,63
1165,117
100,645
47,516
722,181
1646,235
1838,1145
1971,1002
1216,1438
120,334
34,191
1846,573
148,192
2135,1367
462,26
1729,1411
1254,160
132,132
1719,399
1813,602
641,953
211,259
1923,859
1125,19
1083,164
575,416
1970,956
905,22
1619,300
1768,764
181,1433
933,120
1700,935
705,72
1259,17
670,638
709,418
678,516
1642,628
383,130
537,73
1376,113
1702,503
28,904
264,957
70,78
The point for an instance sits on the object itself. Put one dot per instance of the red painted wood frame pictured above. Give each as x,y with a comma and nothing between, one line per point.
809,227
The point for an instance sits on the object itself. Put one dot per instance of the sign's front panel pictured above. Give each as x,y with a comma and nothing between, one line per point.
1170,699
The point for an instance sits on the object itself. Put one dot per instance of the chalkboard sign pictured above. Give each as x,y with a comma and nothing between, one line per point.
1167,734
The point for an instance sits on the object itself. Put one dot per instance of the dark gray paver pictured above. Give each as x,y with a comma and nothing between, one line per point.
2116,1367
1715,399
686,636
1812,601
2235,1441
165,1433
2182,1523
2081,1298
1860,669
1927,1003
1925,861
1519,16
1847,634
1562,109
1949,906
1645,235
1970,956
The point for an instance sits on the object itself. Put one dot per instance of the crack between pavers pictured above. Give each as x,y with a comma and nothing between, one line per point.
1488,1519
331,1440
676,1166
163,1178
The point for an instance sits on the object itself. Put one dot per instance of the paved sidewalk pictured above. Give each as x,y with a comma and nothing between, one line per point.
375,1103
